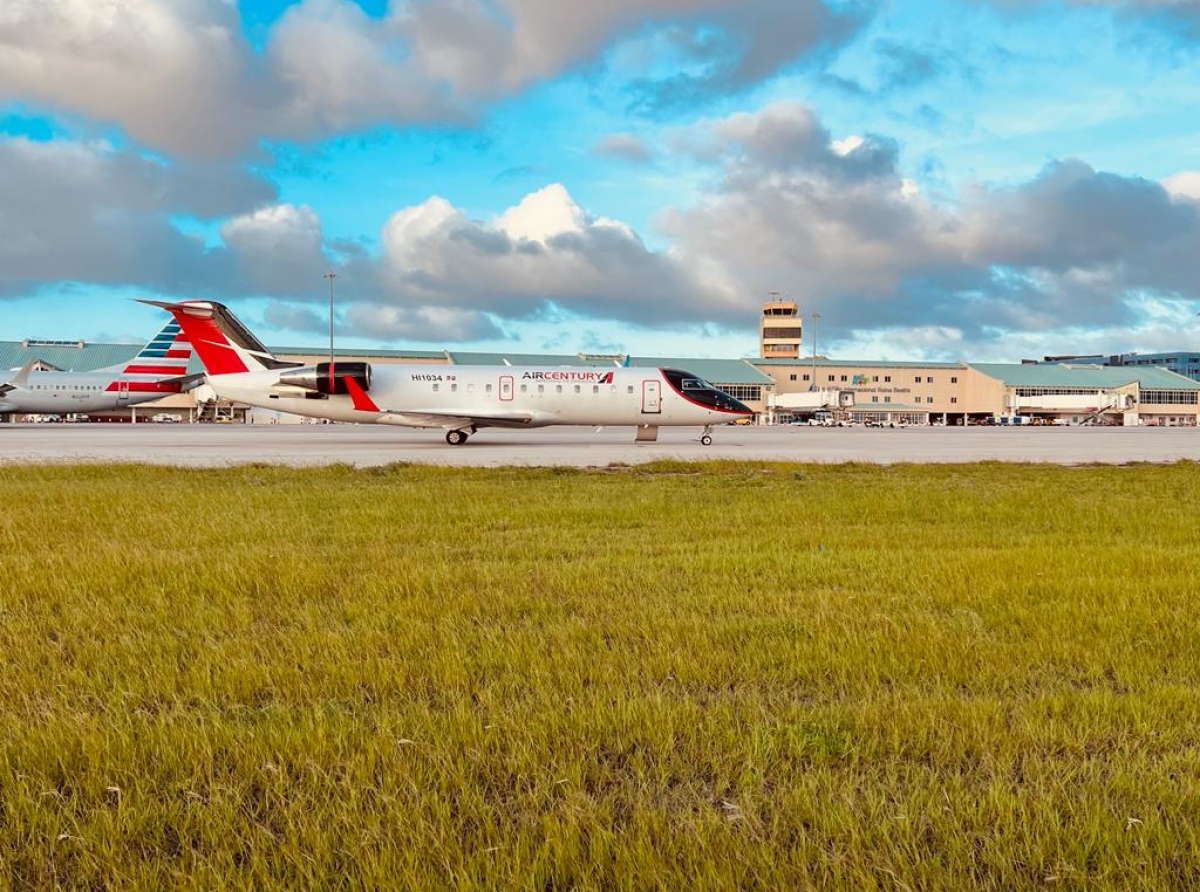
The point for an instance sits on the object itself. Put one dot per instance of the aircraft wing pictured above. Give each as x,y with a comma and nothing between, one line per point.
435,418
20,379
185,382
455,420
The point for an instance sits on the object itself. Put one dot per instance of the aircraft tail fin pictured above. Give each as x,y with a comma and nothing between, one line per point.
225,346
167,354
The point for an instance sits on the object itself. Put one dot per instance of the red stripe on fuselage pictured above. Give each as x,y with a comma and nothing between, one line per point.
145,386
155,369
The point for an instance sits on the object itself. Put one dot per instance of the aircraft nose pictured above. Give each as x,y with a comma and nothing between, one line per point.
737,406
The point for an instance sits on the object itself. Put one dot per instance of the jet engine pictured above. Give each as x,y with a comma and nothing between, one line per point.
322,379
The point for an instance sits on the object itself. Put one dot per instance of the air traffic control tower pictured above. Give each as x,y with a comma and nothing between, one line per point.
780,330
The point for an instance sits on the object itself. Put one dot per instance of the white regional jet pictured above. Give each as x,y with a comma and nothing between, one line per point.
158,370
458,399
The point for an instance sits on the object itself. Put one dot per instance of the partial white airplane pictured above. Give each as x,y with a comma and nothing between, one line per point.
158,370
458,399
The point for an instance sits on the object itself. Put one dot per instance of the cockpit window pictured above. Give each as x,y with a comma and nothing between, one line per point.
698,391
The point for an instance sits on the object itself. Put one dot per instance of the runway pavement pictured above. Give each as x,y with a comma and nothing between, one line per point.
206,445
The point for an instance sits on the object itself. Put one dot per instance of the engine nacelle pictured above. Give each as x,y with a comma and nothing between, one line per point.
318,378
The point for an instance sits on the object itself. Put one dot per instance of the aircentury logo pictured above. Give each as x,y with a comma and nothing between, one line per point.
589,377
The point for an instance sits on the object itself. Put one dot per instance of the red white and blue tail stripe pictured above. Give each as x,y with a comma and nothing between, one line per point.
160,367
167,354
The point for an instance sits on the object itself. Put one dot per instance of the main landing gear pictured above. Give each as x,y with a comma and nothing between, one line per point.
458,437
706,437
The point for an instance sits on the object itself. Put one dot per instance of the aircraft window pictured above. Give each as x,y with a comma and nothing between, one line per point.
612,389
489,388
629,389
541,388
558,388
435,387
595,388
470,388
453,388
578,389
524,388
694,384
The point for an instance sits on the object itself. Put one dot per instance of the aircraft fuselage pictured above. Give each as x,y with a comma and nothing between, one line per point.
501,396
66,393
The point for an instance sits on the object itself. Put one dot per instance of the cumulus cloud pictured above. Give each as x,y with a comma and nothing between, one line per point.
1185,184
433,325
480,47
89,213
178,75
544,250
834,223
175,75
277,249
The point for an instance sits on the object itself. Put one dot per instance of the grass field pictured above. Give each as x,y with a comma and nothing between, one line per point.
664,677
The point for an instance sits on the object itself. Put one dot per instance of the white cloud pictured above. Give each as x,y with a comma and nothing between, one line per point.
838,228
1185,184
847,145
548,212
178,75
546,250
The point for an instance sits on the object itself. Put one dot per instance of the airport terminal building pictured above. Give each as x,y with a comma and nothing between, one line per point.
779,388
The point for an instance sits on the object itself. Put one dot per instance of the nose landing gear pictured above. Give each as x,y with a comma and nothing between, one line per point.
706,436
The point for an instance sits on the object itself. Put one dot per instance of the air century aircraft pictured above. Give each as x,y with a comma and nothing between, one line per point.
158,370
458,399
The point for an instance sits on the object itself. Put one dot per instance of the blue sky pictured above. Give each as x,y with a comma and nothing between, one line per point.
943,180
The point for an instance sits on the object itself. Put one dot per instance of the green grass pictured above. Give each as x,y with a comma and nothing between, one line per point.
674,676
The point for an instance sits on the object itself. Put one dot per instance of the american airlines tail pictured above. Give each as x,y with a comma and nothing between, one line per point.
166,355
224,345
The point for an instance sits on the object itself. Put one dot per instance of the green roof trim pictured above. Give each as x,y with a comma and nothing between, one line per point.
1091,376
714,371
822,362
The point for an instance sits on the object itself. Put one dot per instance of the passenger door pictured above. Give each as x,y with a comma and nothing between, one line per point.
651,397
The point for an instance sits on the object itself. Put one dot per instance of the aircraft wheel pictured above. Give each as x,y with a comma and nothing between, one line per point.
706,440
456,438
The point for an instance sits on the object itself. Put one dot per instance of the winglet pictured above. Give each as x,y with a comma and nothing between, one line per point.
359,397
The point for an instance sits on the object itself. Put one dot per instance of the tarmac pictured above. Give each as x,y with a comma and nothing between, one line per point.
218,445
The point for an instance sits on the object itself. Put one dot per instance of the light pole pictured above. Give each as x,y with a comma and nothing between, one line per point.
814,317
330,276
